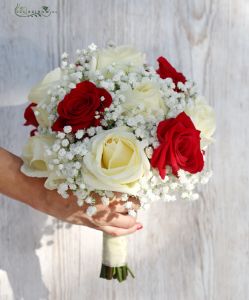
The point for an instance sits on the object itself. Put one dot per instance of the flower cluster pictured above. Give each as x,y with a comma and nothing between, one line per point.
109,122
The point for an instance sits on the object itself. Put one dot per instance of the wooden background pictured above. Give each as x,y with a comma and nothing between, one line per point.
186,251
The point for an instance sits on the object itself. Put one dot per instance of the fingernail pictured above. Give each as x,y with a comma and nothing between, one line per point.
139,226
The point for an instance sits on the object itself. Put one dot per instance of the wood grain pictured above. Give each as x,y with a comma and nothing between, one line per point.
186,251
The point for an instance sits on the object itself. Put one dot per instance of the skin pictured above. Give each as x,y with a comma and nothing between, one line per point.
112,220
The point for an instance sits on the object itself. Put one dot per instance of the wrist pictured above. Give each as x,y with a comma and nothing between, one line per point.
36,198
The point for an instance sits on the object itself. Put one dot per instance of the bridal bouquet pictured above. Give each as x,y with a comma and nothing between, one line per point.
109,122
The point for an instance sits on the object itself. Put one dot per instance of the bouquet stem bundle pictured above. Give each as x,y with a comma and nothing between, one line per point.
114,255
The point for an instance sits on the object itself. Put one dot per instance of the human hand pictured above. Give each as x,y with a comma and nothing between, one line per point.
112,219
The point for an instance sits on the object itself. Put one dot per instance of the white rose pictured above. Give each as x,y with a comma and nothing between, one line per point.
39,92
203,117
53,180
146,94
34,156
116,162
121,56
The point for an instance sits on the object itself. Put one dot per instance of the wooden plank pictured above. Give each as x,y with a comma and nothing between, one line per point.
186,251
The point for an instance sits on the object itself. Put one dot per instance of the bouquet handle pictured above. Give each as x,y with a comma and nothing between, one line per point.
114,258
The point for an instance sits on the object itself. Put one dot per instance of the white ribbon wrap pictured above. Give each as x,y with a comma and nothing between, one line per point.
114,250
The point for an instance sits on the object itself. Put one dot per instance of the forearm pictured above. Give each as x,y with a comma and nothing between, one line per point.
14,184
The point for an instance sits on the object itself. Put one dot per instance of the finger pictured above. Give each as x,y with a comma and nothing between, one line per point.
81,220
115,231
120,206
122,221
115,205
135,202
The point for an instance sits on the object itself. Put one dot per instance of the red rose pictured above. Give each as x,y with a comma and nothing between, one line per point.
166,70
78,107
30,118
179,146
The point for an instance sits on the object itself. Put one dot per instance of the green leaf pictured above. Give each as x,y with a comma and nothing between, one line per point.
124,271
120,277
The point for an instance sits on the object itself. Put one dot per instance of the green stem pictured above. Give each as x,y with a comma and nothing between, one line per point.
119,273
